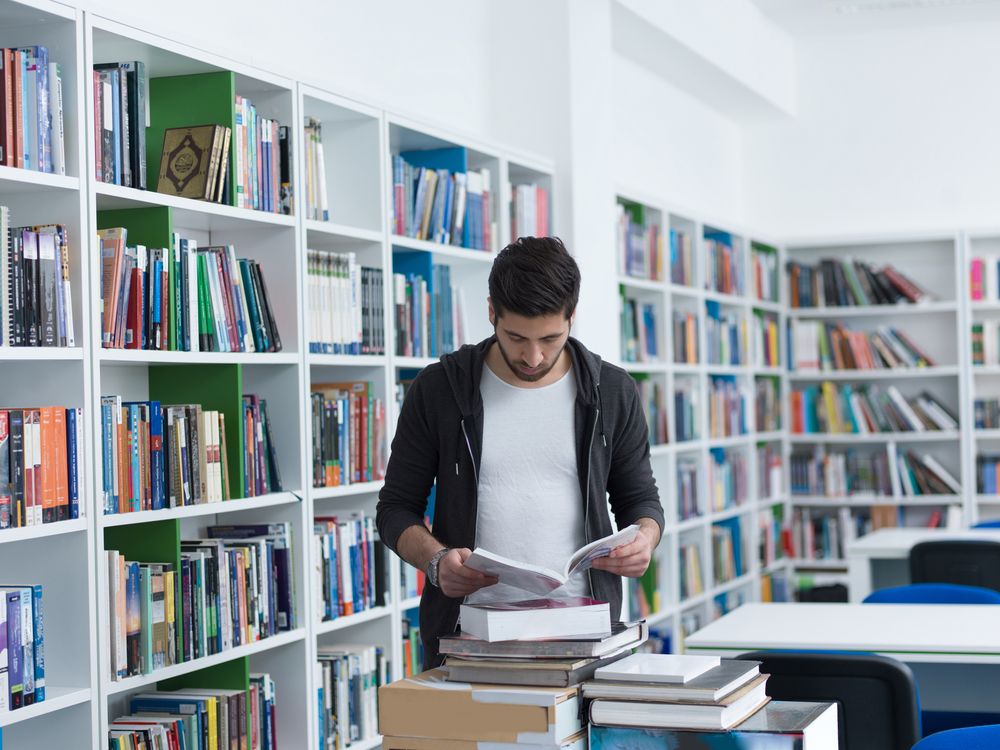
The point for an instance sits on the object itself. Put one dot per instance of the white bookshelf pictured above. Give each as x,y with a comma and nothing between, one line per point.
934,262
669,297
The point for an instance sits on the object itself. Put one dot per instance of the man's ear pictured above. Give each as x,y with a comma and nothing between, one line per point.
493,315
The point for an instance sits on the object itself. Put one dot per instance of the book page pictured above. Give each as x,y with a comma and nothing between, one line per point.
585,556
525,576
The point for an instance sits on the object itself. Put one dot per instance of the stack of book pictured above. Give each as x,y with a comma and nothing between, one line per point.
524,693
31,130
675,692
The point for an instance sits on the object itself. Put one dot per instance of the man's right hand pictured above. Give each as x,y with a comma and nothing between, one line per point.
455,580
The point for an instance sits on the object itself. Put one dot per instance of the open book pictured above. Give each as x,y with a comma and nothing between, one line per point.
539,580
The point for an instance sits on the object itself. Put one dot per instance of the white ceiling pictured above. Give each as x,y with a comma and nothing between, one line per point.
817,17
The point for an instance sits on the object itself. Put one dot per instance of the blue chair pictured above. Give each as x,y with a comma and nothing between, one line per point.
934,593
968,738
995,524
876,696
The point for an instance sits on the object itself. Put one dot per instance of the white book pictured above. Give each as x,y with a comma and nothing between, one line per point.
660,668
573,617
805,344
904,476
192,295
58,139
911,417
937,415
540,580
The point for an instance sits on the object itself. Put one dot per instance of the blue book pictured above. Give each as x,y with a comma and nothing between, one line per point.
133,420
38,625
175,705
15,648
26,110
73,460
156,462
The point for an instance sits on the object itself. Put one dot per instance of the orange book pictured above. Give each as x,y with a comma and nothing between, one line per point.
61,468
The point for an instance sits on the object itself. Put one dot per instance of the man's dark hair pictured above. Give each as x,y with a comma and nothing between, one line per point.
535,276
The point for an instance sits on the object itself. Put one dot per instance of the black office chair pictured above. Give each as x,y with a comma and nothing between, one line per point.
969,562
876,696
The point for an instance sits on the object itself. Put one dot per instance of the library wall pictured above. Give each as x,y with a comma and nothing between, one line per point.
895,131
670,145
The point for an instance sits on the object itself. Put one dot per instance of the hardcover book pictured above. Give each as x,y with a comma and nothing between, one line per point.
537,618
189,161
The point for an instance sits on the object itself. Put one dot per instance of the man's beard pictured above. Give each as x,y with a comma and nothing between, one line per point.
535,376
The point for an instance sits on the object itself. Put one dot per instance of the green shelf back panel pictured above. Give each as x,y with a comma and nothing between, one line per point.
216,388
146,226
186,101
763,247
229,675
156,541
636,211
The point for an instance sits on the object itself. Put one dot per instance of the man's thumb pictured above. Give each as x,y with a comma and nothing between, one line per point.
464,553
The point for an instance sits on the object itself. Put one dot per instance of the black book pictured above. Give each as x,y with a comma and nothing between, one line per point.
106,124
887,287
316,413
274,471
29,255
135,73
865,284
284,170
844,296
830,296
16,305
379,572
272,327
872,287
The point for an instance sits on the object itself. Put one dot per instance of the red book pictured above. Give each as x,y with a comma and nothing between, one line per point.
7,109
908,289
18,121
133,317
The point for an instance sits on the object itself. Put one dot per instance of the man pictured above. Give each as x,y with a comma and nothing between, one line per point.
526,434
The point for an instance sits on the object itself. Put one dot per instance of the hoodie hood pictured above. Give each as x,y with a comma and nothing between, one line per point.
464,369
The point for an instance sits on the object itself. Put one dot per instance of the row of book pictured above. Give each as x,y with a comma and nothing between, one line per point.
262,157
764,273
157,456
986,413
200,719
653,399
681,258
924,475
345,312
317,201
685,338
640,245
775,587
839,474
728,407
728,479
725,271
984,278
36,296
31,111
120,121
865,409
827,346
986,342
690,577
183,298
687,489
348,434
772,539
233,588
766,341
430,314
349,677
411,581
987,474
350,565
725,335
727,550
194,163
639,334
768,404
22,647
442,205
412,648
846,282
529,211
686,406
41,454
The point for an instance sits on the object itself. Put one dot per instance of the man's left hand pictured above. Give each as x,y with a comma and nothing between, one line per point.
632,559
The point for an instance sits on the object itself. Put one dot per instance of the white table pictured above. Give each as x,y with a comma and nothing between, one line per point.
953,649
882,559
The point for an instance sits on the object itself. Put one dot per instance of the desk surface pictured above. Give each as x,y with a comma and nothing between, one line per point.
948,633
896,543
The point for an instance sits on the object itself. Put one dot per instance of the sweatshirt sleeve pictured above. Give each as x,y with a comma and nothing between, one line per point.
410,472
631,487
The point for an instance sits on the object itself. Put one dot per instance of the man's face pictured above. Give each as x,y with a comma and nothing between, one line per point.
530,346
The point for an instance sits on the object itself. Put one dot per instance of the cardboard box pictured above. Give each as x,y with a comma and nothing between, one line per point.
576,742
427,706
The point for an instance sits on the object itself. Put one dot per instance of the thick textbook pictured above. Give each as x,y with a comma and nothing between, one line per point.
539,580
623,635
722,714
540,672
572,617
780,725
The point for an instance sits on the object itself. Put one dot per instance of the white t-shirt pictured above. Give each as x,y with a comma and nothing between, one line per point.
530,503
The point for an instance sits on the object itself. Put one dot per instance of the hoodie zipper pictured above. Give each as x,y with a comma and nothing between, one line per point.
475,476
586,503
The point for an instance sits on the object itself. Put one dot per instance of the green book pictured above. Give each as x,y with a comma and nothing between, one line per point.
146,618
206,325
